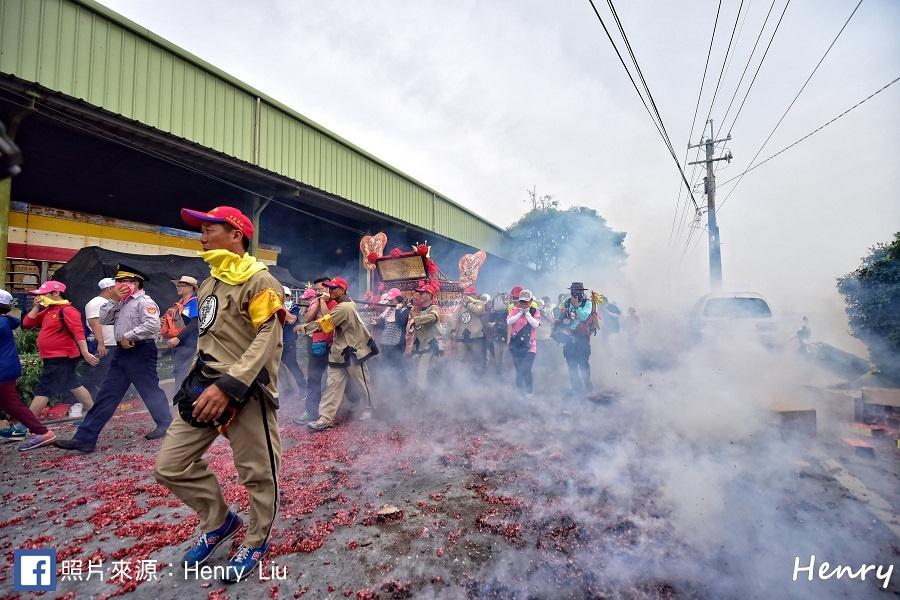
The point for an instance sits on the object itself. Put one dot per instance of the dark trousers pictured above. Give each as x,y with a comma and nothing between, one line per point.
523,362
182,359
289,360
315,370
133,366
577,353
11,403
95,376
394,366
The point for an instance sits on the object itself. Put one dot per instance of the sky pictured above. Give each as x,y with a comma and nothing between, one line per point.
484,100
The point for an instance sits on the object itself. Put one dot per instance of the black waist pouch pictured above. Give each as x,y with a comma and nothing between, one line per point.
191,389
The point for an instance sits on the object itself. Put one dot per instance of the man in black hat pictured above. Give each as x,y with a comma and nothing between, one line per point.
135,319
573,330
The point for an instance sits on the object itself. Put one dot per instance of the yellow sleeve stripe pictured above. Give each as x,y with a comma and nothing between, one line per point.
264,306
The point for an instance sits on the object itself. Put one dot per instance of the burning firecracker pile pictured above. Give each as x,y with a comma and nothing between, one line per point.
368,510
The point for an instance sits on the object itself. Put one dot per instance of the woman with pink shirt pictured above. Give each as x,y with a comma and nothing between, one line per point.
523,321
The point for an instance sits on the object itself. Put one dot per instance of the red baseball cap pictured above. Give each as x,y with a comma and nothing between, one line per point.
49,286
514,293
220,214
337,282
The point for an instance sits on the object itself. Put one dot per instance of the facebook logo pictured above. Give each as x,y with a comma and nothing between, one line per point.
35,570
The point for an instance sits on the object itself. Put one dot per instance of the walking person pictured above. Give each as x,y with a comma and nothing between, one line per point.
523,321
179,327
289,342
231,390
317,363
393,340
10,401
135,319
61,343
104,334
426,326
573,329
351,347
470,334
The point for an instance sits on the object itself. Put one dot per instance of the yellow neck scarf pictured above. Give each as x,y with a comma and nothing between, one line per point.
230,268
48,301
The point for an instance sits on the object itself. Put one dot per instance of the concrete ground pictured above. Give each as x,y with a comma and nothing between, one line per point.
492,497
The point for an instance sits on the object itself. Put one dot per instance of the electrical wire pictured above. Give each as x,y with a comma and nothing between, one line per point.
725,61
747,66
694,124
799,92
814,131
660,127
759,67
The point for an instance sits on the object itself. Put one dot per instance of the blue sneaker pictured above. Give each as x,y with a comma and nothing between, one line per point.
208,542
13,433
243,563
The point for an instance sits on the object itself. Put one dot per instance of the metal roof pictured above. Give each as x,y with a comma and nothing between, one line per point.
86,51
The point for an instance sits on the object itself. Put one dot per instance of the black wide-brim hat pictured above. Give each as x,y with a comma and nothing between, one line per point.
577,285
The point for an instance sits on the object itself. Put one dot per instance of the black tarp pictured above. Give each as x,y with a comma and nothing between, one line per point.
93,263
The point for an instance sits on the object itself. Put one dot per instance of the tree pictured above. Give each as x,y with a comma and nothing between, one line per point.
573,240
872,295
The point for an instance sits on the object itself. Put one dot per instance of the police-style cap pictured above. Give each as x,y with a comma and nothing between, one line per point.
126,272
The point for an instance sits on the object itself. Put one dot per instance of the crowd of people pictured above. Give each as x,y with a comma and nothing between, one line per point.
232,334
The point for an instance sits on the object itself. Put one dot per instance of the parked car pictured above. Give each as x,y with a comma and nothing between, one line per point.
727,314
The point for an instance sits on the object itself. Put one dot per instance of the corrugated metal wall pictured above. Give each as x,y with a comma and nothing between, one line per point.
85,51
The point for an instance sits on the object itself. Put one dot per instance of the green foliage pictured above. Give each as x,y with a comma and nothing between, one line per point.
31,372
872,295
26,341
552,239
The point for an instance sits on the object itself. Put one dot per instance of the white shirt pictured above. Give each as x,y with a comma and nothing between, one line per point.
92,311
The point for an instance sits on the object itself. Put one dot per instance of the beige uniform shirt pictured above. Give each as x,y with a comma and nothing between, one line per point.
241,333
351,336
427,326
470,319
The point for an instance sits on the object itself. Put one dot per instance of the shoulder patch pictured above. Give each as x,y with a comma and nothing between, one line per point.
152,310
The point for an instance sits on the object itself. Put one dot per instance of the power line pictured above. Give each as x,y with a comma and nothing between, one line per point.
811,133
800,91
747,66
759,66
694,123
725,61
660,127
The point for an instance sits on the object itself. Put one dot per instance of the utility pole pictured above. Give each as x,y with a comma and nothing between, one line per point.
709,185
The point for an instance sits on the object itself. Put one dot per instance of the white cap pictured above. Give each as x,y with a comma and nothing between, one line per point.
525,295
485,297
5,298
105,283
287,290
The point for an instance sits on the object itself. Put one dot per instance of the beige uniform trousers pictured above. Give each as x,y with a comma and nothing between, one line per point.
256,446
335,384
423,366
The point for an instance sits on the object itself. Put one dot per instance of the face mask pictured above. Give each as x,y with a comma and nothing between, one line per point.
45,300
288,304
127,288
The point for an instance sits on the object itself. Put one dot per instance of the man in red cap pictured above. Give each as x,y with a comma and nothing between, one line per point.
351,348
61,344
232,390
426,325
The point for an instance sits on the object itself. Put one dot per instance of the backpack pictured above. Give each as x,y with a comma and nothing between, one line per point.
172,324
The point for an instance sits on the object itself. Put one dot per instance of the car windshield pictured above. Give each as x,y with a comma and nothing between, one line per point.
737,308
